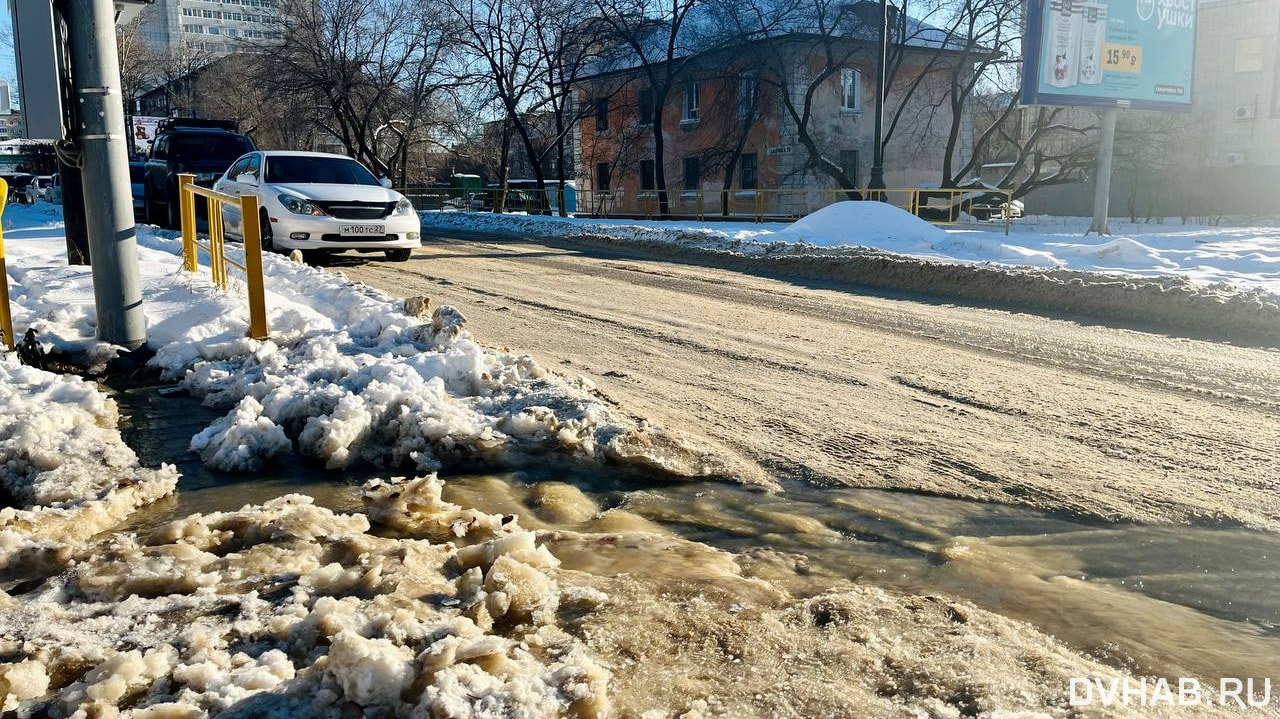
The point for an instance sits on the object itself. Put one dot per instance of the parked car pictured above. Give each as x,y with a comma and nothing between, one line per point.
319,203
39,188
204,148
18,182
137,176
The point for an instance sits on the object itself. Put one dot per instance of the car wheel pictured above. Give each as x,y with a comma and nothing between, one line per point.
173,215
264,229
399,255
315,257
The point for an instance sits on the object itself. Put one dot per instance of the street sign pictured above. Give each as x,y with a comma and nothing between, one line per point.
1110,53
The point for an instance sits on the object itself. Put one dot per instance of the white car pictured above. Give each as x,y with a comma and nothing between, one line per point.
319,203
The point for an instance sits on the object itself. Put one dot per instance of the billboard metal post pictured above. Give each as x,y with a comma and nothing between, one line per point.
99,131
1102,183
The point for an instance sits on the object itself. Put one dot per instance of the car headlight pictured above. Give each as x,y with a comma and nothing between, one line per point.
299,206
404,207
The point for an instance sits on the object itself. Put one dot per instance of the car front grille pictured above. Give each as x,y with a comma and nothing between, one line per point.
331,237
350,210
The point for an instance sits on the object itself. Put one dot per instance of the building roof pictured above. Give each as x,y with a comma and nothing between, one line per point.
726,24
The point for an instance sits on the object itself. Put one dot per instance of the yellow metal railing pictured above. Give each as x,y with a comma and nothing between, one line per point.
6,319
941,206
251,231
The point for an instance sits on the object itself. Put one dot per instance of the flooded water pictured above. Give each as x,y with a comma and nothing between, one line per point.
1173,601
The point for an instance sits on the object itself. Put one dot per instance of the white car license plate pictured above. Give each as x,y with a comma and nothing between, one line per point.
362,230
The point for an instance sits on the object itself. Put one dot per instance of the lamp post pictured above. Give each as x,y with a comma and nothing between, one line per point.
877,155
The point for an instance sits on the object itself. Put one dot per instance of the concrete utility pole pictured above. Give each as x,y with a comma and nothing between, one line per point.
1102,183
99,131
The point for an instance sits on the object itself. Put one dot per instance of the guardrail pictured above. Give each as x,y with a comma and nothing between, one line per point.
941,206
6,319
251,232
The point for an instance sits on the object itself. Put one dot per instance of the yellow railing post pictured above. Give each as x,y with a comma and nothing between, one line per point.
252,227
760,205
187,206
701,206
6,319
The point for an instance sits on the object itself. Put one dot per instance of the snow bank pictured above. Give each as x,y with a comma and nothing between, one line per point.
65,466
287,609
348,376
835,225
1220,282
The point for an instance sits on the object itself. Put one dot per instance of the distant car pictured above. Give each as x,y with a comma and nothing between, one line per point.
137,185
18,182
39,189
319,203
993,206
204,148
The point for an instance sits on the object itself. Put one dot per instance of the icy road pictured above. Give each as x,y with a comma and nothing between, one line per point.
835,386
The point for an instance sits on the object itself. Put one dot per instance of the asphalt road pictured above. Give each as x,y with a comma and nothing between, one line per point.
838,386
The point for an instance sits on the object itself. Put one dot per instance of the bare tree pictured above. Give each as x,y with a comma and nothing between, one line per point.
372,73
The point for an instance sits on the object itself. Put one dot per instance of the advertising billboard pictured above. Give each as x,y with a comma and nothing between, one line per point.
1109,53
142,132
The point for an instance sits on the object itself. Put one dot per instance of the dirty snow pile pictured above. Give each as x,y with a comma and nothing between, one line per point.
1243,257
65,466
348,376
289,610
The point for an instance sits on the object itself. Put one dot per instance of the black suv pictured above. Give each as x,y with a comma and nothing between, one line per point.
204,148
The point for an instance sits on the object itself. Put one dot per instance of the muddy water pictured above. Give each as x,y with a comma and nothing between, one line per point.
1175,601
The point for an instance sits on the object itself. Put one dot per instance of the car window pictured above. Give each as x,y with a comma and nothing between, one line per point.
283,169
254,167
136,173
207,147
160,150
237,169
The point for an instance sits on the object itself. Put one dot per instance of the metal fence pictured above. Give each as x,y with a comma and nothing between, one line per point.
251,231
943,206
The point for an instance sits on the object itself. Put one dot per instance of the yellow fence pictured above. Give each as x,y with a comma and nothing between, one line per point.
6,319
949,206
251,231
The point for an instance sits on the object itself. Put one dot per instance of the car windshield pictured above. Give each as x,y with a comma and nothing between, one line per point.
209,146
284,169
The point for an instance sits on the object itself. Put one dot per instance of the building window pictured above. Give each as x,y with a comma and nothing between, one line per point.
850,90
1249,51
690,103
748,171
849,164
602,113
648,177
602,177
692,173
746,96
646,106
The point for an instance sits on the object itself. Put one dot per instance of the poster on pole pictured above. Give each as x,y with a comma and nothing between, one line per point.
1110,53
142,130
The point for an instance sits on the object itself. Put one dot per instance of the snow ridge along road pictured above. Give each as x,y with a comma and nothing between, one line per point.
1224,288
809,382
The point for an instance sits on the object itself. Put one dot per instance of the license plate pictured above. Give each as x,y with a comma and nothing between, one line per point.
362,230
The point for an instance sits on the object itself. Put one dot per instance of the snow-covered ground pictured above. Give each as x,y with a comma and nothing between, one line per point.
347,377
416,606
1246,257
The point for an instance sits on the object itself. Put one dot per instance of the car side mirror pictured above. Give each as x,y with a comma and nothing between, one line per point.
247,179
385,182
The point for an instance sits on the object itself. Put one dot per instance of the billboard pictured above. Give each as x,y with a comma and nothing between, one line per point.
142,132
1109,53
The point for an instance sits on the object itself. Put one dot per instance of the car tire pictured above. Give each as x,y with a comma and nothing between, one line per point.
173,214
315,257
264,231
400,255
